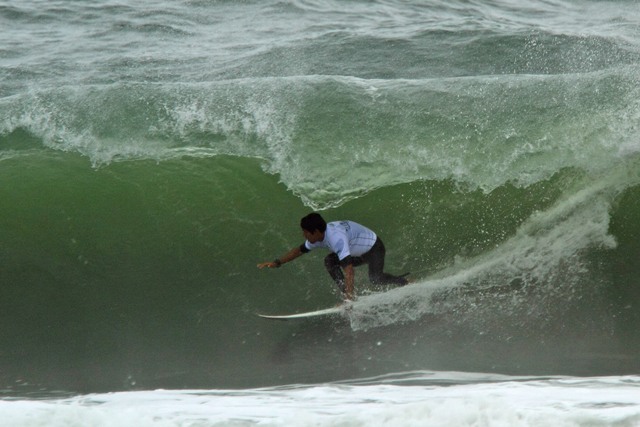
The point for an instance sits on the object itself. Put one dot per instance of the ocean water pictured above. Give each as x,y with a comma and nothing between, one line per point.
152,153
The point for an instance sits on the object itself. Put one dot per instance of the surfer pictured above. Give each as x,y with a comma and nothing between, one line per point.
351,245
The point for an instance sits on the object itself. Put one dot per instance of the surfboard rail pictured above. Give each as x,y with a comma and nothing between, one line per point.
324,312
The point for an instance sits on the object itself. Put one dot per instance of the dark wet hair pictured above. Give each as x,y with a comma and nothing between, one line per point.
313,222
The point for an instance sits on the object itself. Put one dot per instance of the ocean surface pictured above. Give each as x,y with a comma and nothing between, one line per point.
152,153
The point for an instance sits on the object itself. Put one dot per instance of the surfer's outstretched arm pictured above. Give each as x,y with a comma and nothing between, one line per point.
289,256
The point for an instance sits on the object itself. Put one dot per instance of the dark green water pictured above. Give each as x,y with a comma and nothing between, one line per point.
142,274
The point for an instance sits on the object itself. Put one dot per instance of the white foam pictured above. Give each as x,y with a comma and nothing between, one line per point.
594,402
290,123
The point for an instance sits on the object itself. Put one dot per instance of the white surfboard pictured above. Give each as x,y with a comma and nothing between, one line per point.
324,312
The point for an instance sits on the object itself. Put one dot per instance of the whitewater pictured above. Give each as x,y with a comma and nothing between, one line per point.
465,400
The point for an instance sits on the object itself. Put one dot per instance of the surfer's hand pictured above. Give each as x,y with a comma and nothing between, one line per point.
270,264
